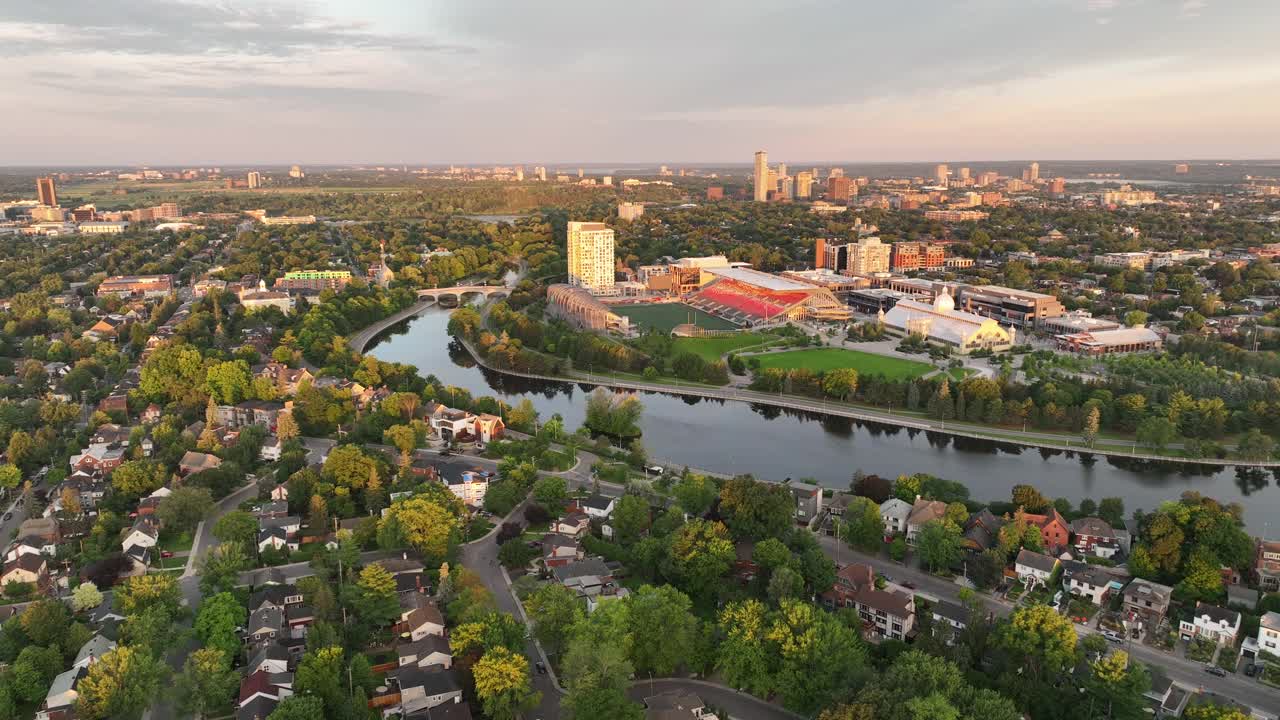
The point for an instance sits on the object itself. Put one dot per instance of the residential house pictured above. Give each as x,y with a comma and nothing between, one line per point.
922,513
885,613
450,424
586,577
275,595
677,705
488,427
272,449
290,524
1212,622
193,462
145,533
270,686
839,503
558,550
982,531
895,512
275,538
1266,565
1095,536
1167,700
1147,600
59,702
25,546
470,486
420,617
271,659
1034,568
431,650
597,506
280,492
1093,583
98,459
575,524
266,625
151,415
1054,530
949,613
422,688
42,531
1269,633
32,570
285,379
273,509
808,499
96,647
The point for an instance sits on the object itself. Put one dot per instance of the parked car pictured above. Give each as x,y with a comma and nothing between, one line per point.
8,515
1215,670
166,554
1251,669
908,585
542,668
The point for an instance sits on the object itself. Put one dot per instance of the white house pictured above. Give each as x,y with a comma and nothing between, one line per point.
1269,633
1034,568
1214,623
275,538
469,486
143,534
894,512
430,650
1093,583
597,506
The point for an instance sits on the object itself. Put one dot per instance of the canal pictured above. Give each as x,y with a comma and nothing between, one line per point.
734,437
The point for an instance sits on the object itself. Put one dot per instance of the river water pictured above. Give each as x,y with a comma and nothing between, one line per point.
733,437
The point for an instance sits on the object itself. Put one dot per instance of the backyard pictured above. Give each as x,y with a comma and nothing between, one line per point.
822,359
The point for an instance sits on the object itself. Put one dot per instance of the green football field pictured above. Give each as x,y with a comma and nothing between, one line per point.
712,348
665,316
820,359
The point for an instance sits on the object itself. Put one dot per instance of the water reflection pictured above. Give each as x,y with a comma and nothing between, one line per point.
732,437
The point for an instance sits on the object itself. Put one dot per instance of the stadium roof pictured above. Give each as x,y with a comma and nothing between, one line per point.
759,279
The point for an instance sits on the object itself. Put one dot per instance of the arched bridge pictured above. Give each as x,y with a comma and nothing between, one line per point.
460,293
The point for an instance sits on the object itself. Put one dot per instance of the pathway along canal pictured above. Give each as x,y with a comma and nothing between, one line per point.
772,443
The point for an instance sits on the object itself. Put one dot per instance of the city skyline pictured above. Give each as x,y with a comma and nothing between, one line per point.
339,82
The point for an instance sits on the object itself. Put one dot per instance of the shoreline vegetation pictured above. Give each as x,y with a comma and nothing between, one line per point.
1103,445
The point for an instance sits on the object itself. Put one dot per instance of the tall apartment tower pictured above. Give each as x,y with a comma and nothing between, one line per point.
1033,172
782,170
519,173
761,176
804,185
541,172
47,191
869,255
591,257
255,179
940,173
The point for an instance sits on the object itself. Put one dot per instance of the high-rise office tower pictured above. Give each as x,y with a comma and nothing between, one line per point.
761,176
787,187
940,173
804,184
541,172
782,170
841,189
255,179
869,255
964,173
1033,171
47,190
591,257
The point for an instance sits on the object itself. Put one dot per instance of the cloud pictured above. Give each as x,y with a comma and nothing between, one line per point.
1192,8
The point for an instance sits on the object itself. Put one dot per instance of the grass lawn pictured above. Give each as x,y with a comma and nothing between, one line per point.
821,359
959,373
176,542
712,348
665,316
478,528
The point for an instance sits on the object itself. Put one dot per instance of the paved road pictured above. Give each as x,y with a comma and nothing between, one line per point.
739,705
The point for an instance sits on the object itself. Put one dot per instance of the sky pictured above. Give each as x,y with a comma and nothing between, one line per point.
190,82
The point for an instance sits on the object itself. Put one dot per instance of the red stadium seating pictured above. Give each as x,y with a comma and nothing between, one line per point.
730,298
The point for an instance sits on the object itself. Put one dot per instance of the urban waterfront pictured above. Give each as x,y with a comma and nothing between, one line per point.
732,437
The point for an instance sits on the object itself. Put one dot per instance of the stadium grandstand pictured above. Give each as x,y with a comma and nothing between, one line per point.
748,298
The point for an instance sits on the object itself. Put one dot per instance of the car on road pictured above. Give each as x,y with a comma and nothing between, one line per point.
1251,669
445,452
908,585
655,469
8,516
542,667
1215,670
166,554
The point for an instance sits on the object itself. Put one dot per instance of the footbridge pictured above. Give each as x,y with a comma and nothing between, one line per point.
461,292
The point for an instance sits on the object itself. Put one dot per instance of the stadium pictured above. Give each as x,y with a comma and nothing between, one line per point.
750,298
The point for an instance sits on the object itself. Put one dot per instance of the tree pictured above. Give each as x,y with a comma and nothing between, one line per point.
349,467
819,656
785,583
907,488
743,658
872,487
21,449
218,621
863,524
898,549
1201,579
1210,711
299,707
237,526
379,602
1044,640
630,518
596,671
136,478
1157,432
840,383
120,684
286,427
144,591
550,491
554,610
1091,424
957,514
667,608
86,596
1029,498
1112,510
1135,318
206,683
1117,685
426,525
152,629
404,439
503,685
229,382
45,622
1255,445
320,673
11,477
221,567
756,510
940,545
185,507
33,670
701,553
695,493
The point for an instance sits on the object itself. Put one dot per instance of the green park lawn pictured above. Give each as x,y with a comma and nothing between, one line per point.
712,349
664,316
822,359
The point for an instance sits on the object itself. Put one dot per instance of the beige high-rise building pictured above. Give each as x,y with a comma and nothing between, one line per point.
869,255
1032,172
591,257
630,210
47,190
761,176
804,185
255,179
941,173
787,187
608,180
964,173
782,170
541,172
519,173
